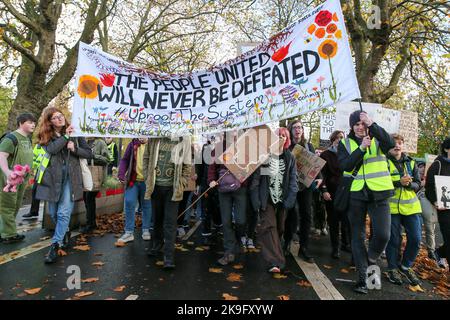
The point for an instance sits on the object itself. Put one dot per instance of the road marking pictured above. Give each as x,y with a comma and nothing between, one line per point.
192,230
320,283
132,297
8,257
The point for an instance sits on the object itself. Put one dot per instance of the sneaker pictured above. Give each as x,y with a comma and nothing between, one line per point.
30,216
324,232
433,256
181,232
302,253
226,259
383,255
274,269
442,262
361,287
66,240
411,276
13,239
126,237
168,264
146,235
52,254
250,244
244,242
394,277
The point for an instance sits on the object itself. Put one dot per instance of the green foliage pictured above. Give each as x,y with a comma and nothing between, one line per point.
6,102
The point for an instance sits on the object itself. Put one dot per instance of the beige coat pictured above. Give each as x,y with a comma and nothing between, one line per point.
183,167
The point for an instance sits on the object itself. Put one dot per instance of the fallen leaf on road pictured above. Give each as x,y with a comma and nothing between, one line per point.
215,270
254,250
82,248
89,280
44,238
190,243
20,295
37,245
159,263
98,264
234,277
279,276
238,266
303,283
119,289
62,253
343,270
120,244
110,299
206,248
327,266
84,294
227,296
416,288
199,249
32,291
283,297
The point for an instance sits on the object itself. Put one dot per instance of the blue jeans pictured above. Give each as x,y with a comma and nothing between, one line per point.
60,212
413,228
131,197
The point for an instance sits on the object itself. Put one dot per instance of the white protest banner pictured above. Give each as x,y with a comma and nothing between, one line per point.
343,111
429,159
409,129
327,125
442,191
388,119
308,165
305,67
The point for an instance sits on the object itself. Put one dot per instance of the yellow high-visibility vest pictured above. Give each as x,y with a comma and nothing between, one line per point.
374,171
42,162
404,201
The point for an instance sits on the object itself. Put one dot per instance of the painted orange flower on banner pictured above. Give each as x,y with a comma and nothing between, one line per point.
328,49
87,86
332,28
320,33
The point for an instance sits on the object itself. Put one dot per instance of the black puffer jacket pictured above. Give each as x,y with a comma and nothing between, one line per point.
441,166
51,185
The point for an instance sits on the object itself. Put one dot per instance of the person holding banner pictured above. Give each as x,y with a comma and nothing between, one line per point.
167,168
362,156
271,195
405,212
440,167
59,179
304,199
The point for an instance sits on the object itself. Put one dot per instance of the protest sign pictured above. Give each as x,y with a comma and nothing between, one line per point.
409,127
250,150
327,124
309,165
429,159
305,67
343,111
442,191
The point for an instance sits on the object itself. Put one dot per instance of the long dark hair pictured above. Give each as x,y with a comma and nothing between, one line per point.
46,130
302,138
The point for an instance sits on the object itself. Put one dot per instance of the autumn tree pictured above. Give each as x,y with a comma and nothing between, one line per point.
30,28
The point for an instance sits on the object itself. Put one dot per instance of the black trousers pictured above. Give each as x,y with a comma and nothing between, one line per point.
211,210
165,212
90,204
338,222
34,210
304,199
444,225
181,207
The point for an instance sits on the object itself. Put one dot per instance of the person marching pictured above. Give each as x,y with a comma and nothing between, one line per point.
369,192
405,211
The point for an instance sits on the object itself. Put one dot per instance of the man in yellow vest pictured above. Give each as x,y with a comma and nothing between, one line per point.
405,211
362,155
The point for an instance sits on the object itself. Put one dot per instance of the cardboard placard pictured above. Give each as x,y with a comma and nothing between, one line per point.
409,129
429,159
250,150
309,165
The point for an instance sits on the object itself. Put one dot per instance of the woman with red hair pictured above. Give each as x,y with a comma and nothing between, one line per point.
273,190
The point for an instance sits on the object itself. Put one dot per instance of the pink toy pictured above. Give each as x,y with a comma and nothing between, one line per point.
17,177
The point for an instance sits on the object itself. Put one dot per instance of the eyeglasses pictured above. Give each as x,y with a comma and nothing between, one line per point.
297,127
60,117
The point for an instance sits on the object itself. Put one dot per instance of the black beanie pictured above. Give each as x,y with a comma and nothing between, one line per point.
354,118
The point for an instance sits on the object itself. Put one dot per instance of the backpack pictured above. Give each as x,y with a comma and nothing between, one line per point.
229,182
13,138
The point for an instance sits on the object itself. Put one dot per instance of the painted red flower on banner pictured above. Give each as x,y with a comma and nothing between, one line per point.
323,18
107,79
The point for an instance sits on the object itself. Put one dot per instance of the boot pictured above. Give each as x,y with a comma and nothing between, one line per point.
52,254
66,240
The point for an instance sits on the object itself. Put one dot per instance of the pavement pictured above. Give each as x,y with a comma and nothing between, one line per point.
128,273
